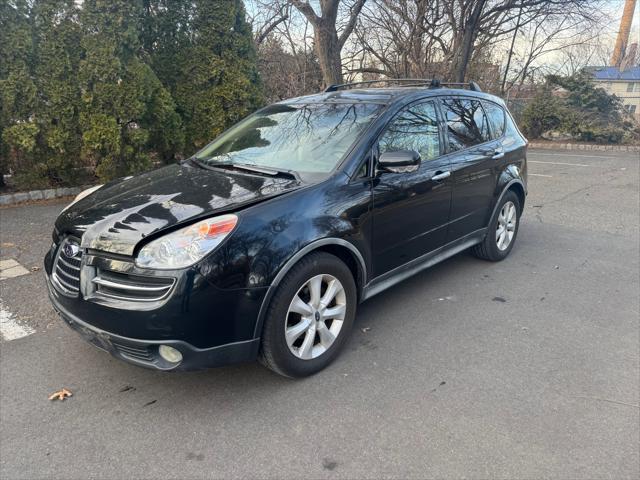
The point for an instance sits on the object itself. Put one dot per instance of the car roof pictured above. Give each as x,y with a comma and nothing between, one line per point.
385,95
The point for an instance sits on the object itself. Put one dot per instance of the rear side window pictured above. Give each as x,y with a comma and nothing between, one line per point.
512,136
495,114
415,128
467,124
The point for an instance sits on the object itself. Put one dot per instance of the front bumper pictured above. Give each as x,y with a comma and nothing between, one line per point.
144,353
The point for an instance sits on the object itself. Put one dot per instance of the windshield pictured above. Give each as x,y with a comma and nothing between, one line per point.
307,139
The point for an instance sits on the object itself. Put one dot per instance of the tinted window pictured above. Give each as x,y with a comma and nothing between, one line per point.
305,138
495,114
466,123
416,128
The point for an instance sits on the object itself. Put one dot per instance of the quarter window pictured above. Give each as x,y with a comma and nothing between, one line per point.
495,114
466,123
416,128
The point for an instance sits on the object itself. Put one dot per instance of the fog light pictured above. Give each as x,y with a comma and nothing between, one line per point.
170,354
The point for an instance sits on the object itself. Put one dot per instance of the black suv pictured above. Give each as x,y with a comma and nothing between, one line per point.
263,243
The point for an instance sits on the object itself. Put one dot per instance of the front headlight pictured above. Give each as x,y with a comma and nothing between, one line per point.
81,195
186,246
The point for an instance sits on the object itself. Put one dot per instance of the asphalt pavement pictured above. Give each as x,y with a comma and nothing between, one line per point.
528,368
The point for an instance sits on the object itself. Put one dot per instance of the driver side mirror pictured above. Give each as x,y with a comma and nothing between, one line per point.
400,161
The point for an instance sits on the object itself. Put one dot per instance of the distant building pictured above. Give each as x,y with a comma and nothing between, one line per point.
624,84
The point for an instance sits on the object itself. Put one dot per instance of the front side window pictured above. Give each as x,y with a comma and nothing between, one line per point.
415,128
495,114
308,138
467,124
630,87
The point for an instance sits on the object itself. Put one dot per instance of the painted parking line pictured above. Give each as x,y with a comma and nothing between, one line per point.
10,329
561,163
10,268
539,175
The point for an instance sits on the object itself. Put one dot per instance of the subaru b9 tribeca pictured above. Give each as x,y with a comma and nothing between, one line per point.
262,244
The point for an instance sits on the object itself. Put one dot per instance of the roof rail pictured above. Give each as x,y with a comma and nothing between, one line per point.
471,85
407,82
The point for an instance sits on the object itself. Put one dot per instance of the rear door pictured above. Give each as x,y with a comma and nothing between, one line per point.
411,209
473,155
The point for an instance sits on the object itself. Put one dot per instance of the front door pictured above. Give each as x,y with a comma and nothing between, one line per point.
411,209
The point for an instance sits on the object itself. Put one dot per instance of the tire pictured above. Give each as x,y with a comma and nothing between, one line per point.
307,347
492,247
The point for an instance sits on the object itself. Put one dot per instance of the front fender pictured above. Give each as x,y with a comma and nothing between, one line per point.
274,232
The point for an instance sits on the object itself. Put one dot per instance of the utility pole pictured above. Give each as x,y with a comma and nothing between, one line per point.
623,34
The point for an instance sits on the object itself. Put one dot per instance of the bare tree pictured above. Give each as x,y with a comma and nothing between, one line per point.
401,38
286,74
549,35
328,42
493,19
448,37
286,58
265,16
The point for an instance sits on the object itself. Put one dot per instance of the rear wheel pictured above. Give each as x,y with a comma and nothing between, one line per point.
310,316
503,229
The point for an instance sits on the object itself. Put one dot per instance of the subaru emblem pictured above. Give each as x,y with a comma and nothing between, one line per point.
71,250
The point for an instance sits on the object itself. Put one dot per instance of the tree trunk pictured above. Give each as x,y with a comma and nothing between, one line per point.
328,44
328,49
468,39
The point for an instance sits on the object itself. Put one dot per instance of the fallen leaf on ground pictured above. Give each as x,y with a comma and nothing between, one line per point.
35,269
8,244
365,329
60,395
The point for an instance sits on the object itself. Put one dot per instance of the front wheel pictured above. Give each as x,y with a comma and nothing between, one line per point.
310,316
503,229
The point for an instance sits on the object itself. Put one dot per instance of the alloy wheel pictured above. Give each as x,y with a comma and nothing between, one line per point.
507,220
315,316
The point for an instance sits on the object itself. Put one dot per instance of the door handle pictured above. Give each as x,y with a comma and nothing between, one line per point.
440,176
494,153
488,151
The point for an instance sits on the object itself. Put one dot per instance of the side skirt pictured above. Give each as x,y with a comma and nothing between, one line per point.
427,260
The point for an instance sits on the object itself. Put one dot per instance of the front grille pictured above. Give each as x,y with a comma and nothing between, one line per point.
137,353
132,288
66,271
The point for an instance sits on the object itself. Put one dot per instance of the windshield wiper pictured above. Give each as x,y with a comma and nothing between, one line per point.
274,172
194,161
271,172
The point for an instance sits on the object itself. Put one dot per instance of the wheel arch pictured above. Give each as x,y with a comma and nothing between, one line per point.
344,250
517,186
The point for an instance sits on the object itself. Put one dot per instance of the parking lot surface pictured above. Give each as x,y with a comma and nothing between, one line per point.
527,368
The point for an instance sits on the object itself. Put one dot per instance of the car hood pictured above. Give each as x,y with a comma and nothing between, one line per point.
120,214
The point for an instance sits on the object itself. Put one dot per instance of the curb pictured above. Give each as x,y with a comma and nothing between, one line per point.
35,195
584,146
